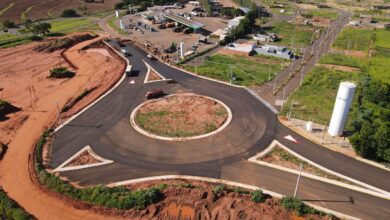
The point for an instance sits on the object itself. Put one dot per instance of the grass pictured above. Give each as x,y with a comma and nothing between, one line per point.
324,13
302,37
316,97
72,24
354,39
341,60
10,40
111,23
247,71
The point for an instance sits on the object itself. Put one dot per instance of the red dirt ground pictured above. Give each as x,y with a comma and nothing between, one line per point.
55,6
27,67
83,159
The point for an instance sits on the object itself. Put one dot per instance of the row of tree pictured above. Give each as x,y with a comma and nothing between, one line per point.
245,26
371,123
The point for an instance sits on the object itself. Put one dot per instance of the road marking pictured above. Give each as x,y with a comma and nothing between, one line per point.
131,82
290,138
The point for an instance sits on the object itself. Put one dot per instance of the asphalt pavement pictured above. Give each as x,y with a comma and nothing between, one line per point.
106,128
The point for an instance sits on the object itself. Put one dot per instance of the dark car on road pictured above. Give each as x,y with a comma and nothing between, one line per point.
154,93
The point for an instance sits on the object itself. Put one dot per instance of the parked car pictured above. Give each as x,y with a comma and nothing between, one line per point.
154,93
125,52
151,57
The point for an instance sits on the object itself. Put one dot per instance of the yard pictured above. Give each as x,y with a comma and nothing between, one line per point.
247,70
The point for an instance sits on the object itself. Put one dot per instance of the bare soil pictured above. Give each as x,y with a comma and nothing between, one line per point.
83,159
25,84
181,115
153,76
189,199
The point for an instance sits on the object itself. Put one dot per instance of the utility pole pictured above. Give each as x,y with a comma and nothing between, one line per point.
284,93
231,73
289,112
276,77
299,177
303,69
269,74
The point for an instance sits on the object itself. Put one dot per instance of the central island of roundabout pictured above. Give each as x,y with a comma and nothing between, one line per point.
181,117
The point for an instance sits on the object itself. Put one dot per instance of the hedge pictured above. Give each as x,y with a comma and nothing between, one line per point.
10,209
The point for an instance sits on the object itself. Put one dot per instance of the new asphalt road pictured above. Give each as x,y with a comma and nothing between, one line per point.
106,128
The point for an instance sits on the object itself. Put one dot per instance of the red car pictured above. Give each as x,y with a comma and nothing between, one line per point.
155,93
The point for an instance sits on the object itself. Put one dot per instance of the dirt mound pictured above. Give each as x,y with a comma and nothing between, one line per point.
187,199
62,43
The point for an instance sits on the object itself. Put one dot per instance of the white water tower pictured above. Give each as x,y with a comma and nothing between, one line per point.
341,108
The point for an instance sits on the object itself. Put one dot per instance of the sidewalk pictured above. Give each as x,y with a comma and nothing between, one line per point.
320,136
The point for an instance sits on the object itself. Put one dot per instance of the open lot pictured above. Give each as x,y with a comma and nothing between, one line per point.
17,10
246,70
314,100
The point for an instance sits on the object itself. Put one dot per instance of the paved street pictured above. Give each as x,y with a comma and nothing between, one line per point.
106,128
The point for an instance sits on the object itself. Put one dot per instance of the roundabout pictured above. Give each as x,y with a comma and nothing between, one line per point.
180,117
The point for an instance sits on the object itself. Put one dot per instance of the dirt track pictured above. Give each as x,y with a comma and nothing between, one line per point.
15,177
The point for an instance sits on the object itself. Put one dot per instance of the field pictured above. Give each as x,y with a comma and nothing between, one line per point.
300,34
316,97
246,69
377,40
58,26
17,10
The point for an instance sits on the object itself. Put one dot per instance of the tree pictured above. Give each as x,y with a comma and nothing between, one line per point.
119,5
387,27
38,28
68,13
8,24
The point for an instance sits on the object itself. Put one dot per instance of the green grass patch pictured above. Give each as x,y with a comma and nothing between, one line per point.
324,13
10,40
111,23
73,24
379,68
354,39
316,97
302,34
247,71
341,60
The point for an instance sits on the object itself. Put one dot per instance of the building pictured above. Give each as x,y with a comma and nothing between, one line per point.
234,22
271,37
244,49
275,51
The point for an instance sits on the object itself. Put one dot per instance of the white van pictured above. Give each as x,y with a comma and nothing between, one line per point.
129,70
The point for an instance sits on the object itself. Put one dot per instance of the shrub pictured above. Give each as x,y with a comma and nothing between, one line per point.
10,210
8,24
258,196
300,208
219,188
6,108
307,15
68,13
61,72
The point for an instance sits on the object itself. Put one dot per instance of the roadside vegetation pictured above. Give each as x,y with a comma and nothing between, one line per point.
123,198
244,70
9,209
316,97
6,108
281,157
368,50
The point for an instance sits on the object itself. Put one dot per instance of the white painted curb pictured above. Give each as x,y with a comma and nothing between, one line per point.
148,134
148,72
372,163
226,182
98,99
371,190
88,148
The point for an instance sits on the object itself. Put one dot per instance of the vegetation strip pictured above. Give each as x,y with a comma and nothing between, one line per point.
9,209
